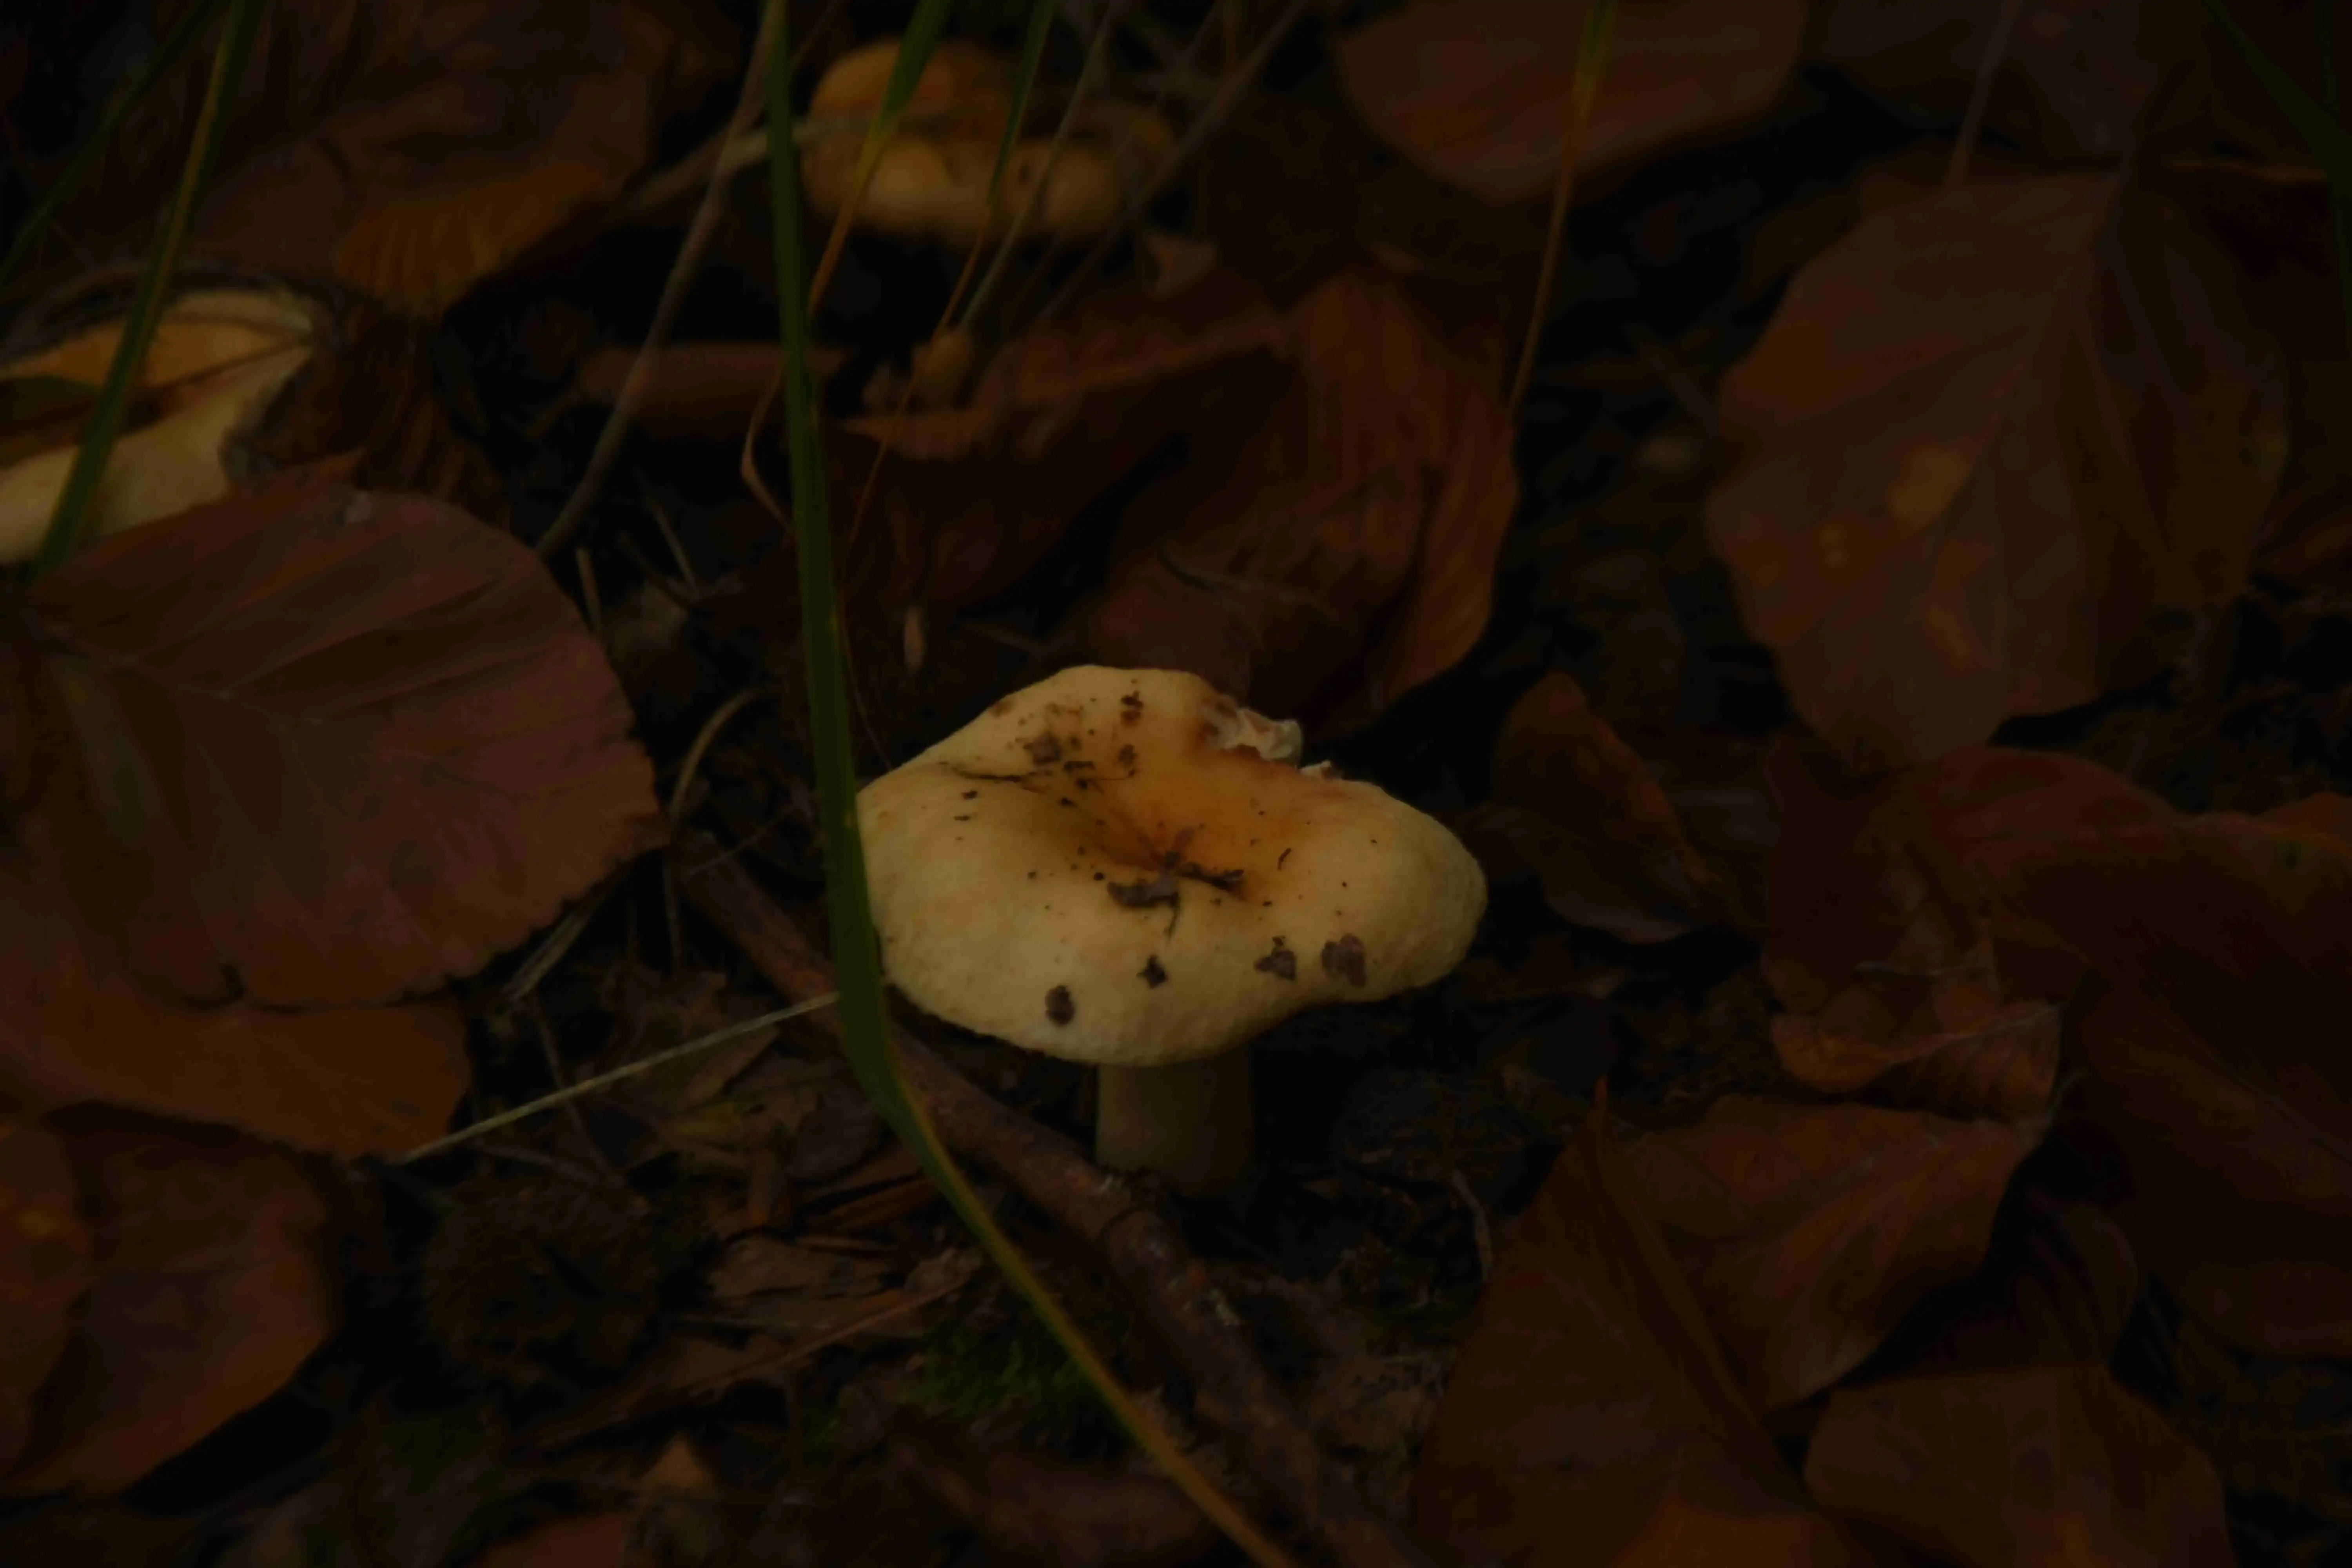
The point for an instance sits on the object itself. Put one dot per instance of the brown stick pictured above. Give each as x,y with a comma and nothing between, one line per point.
1133,1237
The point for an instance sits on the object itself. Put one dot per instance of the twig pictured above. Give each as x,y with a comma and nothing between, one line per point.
675,288
1956,172
1138,1244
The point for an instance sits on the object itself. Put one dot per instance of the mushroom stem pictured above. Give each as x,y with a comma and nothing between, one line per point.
1191,1121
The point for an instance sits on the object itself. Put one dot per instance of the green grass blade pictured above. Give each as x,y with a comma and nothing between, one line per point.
1033,59
857,956
2330,142
36,222
69,525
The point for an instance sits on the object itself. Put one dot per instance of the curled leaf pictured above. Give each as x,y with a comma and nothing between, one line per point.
1809,1231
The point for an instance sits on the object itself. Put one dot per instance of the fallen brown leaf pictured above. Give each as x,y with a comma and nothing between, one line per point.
2239,1177
1072,1516
1985,434
1349,557
585,1541
2057,1289
104,1530
1889,949
343,1081
210,1290
973,495
311,747
2070,88
2241,927
1810,1230
410,150
1592,1418
2217,1088
2042,1464
46,1266
1475,91
1573,802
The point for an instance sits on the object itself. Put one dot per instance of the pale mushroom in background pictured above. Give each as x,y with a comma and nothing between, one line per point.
932,180
1128,869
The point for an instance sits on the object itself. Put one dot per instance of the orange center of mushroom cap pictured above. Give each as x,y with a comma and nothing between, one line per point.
1107,866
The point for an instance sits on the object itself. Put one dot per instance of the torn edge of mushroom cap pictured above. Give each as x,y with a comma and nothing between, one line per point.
1128,867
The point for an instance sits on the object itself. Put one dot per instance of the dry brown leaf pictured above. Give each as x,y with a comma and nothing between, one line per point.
586,1541
2241,927
1475,91
1985,434
2218,1088
2003,1062
2057,1289
311,747
2044,1465
1045,1510
46,1252
211,1289
1810,1230
1887,945
1576,804
1592,1414
105,1530
1350,555
2239,1177
343,1081
973,496
2071,80
411,149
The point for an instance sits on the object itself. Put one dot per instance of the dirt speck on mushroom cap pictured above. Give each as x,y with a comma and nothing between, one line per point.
1222,851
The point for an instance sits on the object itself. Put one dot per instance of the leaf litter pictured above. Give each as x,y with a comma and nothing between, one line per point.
1910,768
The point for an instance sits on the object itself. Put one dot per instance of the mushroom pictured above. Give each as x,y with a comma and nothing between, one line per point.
932,179
1128,869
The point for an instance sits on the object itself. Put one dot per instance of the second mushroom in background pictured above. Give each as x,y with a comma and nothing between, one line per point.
1128,869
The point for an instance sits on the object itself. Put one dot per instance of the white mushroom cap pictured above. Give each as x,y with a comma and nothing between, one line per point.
1127,868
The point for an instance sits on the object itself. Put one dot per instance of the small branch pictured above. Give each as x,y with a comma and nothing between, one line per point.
1142,1248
